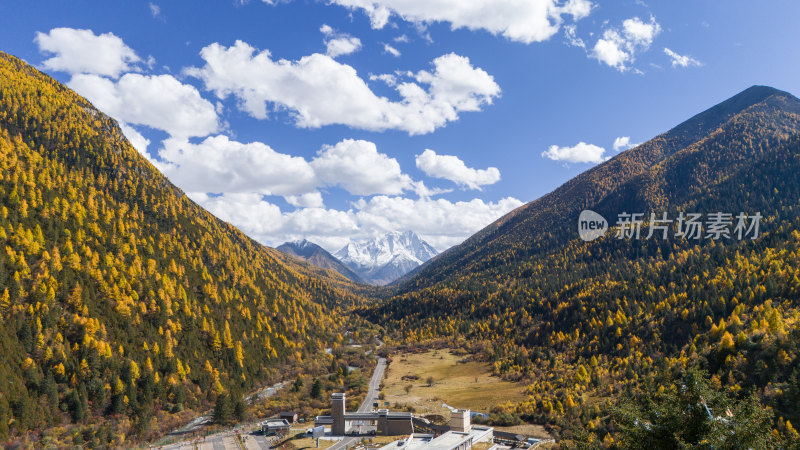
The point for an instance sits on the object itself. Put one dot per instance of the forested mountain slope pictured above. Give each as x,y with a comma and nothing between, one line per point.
543,219
121,299
584,321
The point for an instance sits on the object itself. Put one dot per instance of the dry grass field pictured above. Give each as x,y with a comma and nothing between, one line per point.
458,384
297,439
527,429
308,443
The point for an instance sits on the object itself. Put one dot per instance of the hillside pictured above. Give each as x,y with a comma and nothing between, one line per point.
122,300
319,257
583,321
589,188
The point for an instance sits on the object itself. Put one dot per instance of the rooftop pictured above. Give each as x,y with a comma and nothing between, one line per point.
447,441
275,423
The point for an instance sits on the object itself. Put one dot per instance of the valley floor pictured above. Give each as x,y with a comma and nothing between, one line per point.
457,383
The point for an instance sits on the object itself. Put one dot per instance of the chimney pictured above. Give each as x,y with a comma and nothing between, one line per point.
337,413
460,421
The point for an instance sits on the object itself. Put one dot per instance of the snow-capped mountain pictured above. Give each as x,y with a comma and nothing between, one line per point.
384,259
318,256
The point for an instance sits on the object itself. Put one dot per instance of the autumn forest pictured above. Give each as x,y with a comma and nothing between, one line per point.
127,309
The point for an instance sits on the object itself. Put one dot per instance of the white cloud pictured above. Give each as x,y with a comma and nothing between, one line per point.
571,33
338,44
231,179
518,20
155,11
452,168
269,225
391,50
610,50
357,166
220,165
241,175
423,191
81,51
640,34
342,46
618,48
623,143
160,102
318,90
388,78
681,60
457,84
308,200
157,101
440,222
580,153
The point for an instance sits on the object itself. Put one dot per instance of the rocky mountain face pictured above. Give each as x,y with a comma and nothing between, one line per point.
318,256
384,259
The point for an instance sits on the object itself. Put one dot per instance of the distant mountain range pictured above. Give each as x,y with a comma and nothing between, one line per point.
318,256
384,259
378,261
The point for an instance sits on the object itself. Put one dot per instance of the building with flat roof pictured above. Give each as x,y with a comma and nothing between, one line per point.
452,440
274,426
461,436
386,423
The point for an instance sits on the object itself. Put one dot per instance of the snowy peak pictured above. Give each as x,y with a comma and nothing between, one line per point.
303,245
383,259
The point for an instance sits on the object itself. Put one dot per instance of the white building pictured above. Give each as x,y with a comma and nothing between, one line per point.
462,436
274,426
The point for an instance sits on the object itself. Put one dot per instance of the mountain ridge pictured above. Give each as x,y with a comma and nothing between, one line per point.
579,320
319,257
121,298
383,259
619,169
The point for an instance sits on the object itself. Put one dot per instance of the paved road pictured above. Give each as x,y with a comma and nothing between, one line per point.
374,386
223,441
366,405
219,442
226,440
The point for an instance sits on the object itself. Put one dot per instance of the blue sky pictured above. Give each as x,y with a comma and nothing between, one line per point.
345,119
